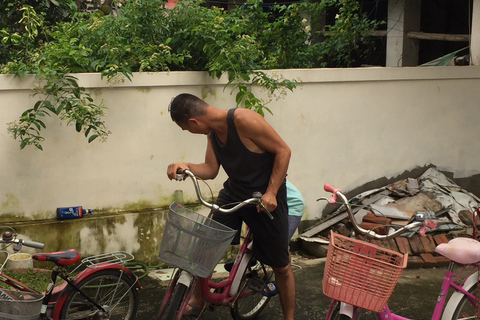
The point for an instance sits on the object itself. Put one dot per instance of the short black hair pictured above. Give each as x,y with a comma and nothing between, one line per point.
186,105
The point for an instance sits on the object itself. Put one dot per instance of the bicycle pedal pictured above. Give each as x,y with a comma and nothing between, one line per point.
255,284
229,264
211,307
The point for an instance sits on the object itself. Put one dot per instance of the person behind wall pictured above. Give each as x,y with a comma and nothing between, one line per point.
255,158
296,205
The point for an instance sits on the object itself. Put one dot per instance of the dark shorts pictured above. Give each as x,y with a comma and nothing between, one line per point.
270,244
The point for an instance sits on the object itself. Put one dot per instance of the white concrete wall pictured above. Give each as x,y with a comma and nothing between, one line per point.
344,126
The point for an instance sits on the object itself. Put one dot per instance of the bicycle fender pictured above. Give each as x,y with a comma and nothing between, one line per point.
346,309
457,296
82,275
185,278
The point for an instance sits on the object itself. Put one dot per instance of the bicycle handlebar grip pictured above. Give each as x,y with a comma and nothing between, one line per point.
180,175
33,244
327,187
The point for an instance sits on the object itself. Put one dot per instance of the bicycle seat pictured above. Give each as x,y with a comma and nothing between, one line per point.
461,250
64,257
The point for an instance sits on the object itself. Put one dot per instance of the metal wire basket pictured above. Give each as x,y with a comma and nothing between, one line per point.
19,305
193,242
361,273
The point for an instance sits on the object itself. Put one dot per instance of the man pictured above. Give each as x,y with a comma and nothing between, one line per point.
255,158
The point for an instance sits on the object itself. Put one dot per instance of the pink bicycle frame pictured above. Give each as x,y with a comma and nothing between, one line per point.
218,297
449,281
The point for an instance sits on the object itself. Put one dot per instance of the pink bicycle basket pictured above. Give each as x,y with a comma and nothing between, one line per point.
360,273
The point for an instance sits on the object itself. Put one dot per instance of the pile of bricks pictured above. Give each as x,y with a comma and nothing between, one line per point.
420,250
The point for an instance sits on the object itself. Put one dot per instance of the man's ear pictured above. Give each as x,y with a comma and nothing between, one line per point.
192,121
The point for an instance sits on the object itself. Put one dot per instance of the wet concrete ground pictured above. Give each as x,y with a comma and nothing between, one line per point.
413,297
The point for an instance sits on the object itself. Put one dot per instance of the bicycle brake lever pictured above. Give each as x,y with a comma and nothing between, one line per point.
258,195
266,211
18,246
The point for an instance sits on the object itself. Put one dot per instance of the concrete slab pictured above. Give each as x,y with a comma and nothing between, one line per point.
164,275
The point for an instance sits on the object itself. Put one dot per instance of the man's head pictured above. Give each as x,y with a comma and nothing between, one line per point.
185,106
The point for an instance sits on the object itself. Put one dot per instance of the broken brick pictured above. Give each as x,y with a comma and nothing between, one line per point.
428,243
379,228
391,244
440,238
428,259
415,262
403,245
370,217
416,245
434,261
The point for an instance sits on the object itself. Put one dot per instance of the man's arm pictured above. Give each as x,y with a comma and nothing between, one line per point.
258,136
206,170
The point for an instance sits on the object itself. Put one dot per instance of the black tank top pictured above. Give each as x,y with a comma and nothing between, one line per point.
247,171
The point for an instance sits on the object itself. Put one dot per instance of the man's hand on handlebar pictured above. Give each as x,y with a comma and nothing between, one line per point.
269,202
173,169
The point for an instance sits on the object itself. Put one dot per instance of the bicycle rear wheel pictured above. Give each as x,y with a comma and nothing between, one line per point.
112,289
465,309
250,301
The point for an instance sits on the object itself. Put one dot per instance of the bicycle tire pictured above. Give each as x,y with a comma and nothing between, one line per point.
335,314
110,288
175,301
465,309
250,302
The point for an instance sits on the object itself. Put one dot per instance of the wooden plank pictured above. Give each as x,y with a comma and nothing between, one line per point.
438,36
325,225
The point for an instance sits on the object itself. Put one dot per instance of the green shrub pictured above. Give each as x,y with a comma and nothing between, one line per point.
145,36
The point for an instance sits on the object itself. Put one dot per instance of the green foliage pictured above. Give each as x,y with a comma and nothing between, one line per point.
53,11
61,96
145,36
347,41
33,278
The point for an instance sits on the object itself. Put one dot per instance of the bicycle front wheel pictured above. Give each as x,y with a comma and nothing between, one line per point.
173,307
465,308
335,313
250,301
112,289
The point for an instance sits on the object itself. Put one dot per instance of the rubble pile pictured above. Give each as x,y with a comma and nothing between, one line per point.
392,206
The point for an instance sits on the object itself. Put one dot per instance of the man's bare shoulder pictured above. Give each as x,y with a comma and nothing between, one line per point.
243,116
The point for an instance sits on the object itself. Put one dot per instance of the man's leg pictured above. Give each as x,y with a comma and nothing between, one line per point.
196,299
286,290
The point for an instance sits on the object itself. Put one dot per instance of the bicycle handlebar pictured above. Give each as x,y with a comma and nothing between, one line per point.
336,193
9,237
255,200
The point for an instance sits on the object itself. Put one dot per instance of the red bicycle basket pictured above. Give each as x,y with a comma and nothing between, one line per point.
361,273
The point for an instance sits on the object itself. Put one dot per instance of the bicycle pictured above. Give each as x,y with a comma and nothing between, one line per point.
100,287
360,275
194,244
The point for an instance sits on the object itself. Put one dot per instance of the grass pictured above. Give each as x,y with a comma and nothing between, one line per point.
33,278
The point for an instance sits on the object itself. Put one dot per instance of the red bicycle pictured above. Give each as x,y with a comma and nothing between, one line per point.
194,244
100,287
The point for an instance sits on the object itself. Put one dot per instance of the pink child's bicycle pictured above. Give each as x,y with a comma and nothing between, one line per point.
194,244
359,274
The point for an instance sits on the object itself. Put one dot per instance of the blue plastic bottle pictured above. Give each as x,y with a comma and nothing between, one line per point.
74,212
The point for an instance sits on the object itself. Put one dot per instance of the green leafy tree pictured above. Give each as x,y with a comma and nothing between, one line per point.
145,36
